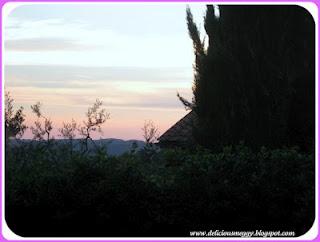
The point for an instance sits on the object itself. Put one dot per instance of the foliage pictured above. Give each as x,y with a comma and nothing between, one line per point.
169,194
255,80
43,128
96,116
68,131
14,120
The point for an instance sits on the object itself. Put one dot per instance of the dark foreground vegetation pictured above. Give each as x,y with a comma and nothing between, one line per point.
157,193
255,79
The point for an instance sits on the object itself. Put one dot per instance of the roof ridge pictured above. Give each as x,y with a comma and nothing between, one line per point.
174,127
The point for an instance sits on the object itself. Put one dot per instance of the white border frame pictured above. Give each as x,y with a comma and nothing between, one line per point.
310,235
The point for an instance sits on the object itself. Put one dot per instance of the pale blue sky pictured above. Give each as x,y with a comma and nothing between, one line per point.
100,35
135,57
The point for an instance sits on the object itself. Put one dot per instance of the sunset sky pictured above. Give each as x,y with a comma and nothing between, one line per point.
134,57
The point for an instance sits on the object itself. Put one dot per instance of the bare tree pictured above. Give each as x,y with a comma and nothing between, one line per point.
68,131
96,116
41,131
150,132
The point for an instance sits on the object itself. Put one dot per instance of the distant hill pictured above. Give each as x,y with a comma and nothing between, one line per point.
117,146
113,147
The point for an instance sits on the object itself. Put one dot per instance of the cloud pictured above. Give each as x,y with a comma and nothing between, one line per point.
63,99
19,28
112,45
119,87
74,77
126,88
43,44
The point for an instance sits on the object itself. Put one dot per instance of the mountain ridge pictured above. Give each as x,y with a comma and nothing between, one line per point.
114,146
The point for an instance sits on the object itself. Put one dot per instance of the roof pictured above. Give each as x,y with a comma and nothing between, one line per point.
181,131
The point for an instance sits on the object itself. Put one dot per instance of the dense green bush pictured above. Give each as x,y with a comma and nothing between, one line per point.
172,192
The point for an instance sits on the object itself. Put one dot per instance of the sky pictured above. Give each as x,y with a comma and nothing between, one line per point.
133,57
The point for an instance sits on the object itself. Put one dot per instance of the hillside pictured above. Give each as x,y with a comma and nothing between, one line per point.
114,147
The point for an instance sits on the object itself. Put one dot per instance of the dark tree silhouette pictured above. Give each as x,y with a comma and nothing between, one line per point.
255,81
14,120
43,126
96,116
150,132
68,131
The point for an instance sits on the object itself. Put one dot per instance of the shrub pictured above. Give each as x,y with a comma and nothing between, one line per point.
170,194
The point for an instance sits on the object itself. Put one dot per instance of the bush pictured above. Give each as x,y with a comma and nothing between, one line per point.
170,194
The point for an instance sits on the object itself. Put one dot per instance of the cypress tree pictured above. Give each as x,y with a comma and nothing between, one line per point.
255,80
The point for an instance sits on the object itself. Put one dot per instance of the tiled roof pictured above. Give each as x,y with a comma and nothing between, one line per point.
180,131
